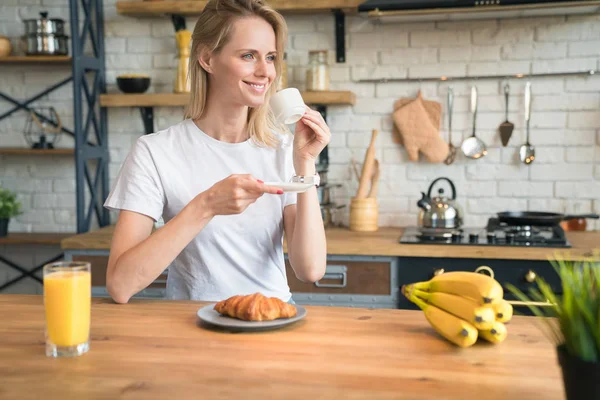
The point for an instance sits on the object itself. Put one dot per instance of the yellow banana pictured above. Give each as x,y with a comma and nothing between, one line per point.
495,335
454,329
482,288
479,316
503,310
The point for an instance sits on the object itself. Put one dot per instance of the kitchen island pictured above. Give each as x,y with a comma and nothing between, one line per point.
157,349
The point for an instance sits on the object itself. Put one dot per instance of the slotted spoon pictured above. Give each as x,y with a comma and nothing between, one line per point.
451,149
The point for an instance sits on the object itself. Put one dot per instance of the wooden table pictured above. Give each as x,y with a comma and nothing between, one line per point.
384,242
153,349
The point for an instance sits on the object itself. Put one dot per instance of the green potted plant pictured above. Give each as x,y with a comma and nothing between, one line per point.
572,322
9,207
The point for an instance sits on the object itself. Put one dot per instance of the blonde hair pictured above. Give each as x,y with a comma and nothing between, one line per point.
212,31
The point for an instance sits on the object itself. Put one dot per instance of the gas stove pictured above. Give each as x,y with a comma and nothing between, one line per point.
494,234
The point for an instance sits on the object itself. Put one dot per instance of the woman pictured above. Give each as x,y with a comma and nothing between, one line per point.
205,176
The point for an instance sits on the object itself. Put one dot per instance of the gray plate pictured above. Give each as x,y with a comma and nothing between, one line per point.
209,315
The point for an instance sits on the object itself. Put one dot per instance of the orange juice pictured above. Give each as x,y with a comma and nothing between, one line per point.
67,298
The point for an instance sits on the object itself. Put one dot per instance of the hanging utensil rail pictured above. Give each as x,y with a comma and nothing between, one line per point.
591,72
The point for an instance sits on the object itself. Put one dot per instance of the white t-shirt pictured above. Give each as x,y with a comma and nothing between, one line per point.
233,254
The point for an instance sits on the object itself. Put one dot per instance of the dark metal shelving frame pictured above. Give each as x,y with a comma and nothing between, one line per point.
92,183
93,118
87,114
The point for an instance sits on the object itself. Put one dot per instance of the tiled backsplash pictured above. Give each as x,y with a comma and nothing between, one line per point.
565,118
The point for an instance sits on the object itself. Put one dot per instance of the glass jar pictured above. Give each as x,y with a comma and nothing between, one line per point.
317,73
283,81
182,84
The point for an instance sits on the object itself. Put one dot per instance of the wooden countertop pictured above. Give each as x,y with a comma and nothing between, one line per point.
34,238
385,243
156,349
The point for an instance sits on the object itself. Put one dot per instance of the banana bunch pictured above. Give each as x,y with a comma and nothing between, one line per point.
463,306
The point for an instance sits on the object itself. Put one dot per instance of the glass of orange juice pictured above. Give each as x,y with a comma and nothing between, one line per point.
67,302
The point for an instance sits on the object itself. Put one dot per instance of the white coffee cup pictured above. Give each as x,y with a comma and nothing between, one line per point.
288,106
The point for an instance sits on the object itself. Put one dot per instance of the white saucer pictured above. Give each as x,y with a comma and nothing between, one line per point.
209,315
291,186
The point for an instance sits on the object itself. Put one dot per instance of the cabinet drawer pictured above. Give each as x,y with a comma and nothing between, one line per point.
347,277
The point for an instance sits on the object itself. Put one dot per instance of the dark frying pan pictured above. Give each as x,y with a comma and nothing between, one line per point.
538,218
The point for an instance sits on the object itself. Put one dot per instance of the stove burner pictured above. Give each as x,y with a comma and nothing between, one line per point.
524,230
494,234
438,234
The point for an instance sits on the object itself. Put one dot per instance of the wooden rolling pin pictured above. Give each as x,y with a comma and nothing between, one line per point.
367,168
375,180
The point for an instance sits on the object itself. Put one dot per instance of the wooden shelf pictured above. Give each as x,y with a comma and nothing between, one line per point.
35,59
341,97
144,100
176,100
194,7
16,151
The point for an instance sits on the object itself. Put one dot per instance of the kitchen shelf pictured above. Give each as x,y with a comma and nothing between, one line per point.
339,8
147,101
35,59
17,151
162,7
483,11
176,99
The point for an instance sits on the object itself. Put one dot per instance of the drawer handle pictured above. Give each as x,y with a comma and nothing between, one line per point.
530,276
160,281
487,269
338,272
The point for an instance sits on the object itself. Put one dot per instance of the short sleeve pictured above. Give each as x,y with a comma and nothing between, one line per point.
138,186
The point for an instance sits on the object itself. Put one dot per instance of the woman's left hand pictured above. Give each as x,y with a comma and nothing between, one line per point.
310,137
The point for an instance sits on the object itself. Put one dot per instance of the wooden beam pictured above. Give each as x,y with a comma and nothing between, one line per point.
175,99
191,7
17,151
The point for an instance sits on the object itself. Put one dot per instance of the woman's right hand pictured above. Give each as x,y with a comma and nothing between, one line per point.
234,194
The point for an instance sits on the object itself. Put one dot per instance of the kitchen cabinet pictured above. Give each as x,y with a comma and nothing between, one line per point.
371,281
520,273
367,269
350,281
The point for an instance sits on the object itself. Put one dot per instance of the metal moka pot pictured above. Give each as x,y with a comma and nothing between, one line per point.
440,212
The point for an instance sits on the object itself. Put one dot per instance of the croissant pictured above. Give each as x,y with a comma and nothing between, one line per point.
255,307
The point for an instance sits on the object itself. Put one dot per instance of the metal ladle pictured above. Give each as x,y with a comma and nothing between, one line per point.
473,147
527,151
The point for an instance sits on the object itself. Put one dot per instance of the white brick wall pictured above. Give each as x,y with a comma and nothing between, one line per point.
565,121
